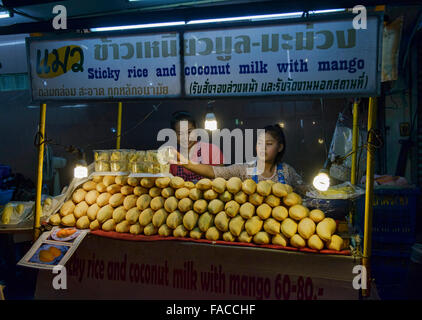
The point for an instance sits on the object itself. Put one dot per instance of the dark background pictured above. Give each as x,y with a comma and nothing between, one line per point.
84,125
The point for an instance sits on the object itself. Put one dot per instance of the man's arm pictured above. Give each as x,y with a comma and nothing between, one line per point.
204,170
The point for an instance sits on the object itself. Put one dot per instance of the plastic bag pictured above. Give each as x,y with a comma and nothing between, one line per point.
341,191
22,211
336,202
341,146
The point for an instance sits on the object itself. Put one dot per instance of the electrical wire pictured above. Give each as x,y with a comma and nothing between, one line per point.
72,149
412,34
23,14
155,108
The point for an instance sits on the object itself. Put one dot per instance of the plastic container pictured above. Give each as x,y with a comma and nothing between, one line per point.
6,196
137,156
151,156
119,166
165,154
120,154
102,166
394,215
165,168
102,155
140,167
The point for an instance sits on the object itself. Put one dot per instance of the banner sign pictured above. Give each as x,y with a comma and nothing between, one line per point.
141,66
182,270
317,58
301,58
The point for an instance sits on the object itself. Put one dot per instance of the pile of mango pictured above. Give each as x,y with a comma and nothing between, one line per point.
232,210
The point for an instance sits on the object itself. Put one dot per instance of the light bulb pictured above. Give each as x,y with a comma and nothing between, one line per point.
81,169
210,122
322,181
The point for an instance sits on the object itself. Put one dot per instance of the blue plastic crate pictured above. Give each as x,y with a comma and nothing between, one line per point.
401,250
5,171
6,196
390,274
394,215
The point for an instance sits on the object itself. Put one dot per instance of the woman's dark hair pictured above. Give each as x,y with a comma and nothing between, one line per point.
277,133
181,116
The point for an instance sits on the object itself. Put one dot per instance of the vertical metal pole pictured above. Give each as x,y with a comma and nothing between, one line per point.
367,237
119,125
1,292
355,141
41,131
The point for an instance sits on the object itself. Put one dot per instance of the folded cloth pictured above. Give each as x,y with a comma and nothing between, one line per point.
131,237
387,180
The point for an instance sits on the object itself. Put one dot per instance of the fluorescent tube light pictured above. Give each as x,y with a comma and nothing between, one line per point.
139,26
327,11
262,17
4,14
258,17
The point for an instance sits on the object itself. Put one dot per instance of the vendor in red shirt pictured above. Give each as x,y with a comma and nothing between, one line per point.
199,152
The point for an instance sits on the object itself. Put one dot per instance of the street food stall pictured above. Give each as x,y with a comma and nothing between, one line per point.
152,235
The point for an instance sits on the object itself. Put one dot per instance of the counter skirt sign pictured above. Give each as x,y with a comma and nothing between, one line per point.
302,58
141,66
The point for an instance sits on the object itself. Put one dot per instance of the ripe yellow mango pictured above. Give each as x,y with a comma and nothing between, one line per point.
165,230
205,221
316,215
190,220
219,185
245,237
150,230
292,199
221,221
306,228
196,233
315,242
227,236
280,213
123,227
288,227
159,218
170,204
335,243
136,229
256,199
145,217
297,241
132,215
215,206
253,225
272,226
263,188
213,234
298,212
109,225
232,208
174,219
240,197
261,238
249,186
264,211
180,231
234,185
280,239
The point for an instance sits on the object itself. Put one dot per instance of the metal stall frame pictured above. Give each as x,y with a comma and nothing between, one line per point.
180,31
